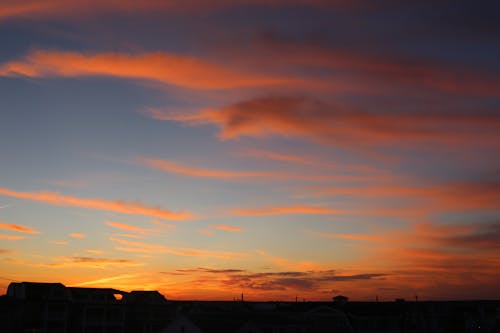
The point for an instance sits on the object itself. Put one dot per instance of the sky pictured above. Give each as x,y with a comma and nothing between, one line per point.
279,149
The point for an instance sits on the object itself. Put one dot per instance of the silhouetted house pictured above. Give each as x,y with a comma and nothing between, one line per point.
9,313
147,311
41,307
97,310
55,308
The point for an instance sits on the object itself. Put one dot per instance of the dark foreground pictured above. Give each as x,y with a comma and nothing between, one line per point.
52,307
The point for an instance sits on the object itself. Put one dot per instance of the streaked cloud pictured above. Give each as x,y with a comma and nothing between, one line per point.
246,175
360,70
175,167
77,235
206,270
167,68
68,262
458,196
180,251
11,237
206,232
291,281
227,228
59,242
272,155
18,228
106,280
319,121
280,210
123,207
92,261
125,227
94,251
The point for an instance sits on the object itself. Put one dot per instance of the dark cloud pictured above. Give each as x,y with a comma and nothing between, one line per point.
209,270
308,280
483,236
352,277
91,260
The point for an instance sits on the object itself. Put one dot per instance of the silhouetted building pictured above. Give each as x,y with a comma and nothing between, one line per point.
52,307
55,308
40,307
147,311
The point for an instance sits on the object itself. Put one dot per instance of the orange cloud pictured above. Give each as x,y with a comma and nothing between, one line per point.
319,121
122,207
77,235
11,237
227,228
439,197
186,252
271,155
95,251
174,167
59,242
206,232
164,67
88,262
299,209
18,228
126,227
362,71
190,171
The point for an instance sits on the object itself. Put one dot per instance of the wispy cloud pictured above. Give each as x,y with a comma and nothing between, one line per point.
183,251
18,228
227,228
175,167
105,280
88,262
280,210
246,175
123,207
319,121
77,235
125,227
206,232
272,155
11,237
168,68
438,197
59,242
94,251
272,281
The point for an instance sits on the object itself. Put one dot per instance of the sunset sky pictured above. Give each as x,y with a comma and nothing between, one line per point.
281,149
